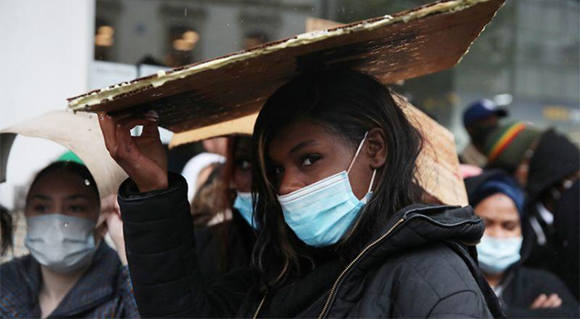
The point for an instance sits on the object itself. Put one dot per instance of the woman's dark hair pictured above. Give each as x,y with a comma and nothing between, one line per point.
348,104
6,228
68,166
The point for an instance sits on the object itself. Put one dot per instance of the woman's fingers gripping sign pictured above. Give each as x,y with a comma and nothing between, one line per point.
141,157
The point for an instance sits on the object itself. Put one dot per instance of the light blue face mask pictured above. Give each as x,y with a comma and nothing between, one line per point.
321,213
243,204
497,254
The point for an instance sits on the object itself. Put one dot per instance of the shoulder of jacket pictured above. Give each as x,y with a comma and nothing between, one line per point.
433,268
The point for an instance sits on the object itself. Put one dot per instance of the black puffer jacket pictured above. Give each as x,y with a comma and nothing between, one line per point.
414,268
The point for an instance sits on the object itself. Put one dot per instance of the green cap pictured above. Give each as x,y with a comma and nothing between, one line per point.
70,157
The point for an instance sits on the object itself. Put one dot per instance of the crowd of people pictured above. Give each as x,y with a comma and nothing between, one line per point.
317,214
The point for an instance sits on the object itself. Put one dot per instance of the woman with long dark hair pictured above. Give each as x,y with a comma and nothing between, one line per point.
343,232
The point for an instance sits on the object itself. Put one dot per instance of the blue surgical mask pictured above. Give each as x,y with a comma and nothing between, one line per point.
497,254
243,204
321,213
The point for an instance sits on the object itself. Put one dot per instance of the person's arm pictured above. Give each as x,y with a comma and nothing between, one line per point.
160,246
158,230
553,300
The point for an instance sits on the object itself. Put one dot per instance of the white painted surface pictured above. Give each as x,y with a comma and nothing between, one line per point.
45,51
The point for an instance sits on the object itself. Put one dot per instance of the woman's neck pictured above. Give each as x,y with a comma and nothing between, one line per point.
493,280
55,287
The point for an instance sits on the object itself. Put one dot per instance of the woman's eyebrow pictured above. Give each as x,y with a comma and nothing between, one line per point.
78,196
40,196
301,145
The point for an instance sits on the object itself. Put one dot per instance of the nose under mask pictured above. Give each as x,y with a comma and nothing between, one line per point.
321,213
59,242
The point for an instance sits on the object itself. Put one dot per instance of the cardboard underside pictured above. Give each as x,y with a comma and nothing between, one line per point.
211,96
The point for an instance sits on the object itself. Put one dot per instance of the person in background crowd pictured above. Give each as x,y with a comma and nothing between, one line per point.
6,229
525,292
198,169
547,165
333,240
208,207
70,272
228,245
479,119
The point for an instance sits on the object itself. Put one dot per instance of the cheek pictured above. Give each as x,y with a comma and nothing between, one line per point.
243,181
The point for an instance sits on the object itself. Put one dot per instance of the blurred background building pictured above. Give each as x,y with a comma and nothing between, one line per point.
526,60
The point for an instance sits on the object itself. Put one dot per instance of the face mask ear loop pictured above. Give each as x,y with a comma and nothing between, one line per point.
357,151
372,181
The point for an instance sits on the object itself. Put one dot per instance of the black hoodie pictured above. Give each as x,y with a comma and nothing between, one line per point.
555,159
420,265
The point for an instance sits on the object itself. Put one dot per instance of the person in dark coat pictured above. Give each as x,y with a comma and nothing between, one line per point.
332,241
547,165
525,292
228,245
70,271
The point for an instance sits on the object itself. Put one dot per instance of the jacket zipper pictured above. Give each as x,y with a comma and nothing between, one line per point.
343,273
371,245
351,264
260,305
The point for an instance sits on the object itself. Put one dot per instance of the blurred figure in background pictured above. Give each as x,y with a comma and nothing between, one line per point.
228,245
525,292
203,187
479,119
6,231
69,272
547,165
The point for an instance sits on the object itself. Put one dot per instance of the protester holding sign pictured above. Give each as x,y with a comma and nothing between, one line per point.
343,233
70,272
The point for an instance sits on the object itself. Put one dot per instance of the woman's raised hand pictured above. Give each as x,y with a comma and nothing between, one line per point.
141,157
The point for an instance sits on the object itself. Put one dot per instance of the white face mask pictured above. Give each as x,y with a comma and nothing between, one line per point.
321,213
61,243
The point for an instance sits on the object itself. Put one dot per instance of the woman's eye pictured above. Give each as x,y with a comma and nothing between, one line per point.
244,165
41,208
278,170
78,208
309,160
509,226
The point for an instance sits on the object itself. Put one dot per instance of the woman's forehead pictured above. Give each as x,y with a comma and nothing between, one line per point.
498,206
63,184
308,133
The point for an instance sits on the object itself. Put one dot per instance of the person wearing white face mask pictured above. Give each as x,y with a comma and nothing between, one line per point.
525,292
70,271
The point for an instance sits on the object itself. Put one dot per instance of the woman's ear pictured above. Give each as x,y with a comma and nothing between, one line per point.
376,148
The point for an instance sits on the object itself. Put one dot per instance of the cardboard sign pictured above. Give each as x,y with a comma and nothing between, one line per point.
409,44
81,134
206,99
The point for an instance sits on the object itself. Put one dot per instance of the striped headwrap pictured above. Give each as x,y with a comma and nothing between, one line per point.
506,145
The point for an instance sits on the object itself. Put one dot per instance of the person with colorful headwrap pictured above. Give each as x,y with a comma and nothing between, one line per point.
547,165
525,292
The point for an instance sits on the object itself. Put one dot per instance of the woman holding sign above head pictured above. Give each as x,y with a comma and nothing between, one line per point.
343,231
